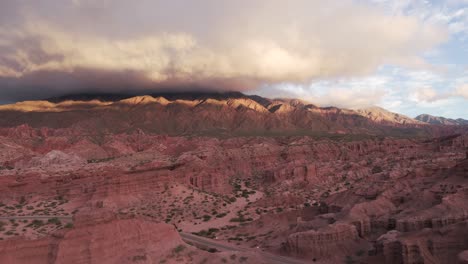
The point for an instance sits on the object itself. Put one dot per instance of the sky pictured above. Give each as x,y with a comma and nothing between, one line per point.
409,57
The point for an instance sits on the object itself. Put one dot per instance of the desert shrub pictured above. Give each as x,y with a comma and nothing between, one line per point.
100,160
210,233
349,260
36,223
54,220
360,253
221,215
179,249
376,169
138,258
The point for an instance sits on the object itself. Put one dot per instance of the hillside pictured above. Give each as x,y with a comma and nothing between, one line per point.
439,120
230,113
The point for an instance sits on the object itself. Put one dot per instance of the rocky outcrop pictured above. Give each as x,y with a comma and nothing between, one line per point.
428,246
131,239
22,251
415,224
323,242
105,241
300,173
463,257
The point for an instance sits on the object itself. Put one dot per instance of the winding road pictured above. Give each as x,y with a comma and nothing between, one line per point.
37,217
210,243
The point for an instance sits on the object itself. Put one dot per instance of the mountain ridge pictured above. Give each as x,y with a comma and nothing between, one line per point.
207,113
440,120
233,99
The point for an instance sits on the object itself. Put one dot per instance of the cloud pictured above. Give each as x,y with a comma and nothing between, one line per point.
430,95
346,93
225,45
350,98
462,91
426,94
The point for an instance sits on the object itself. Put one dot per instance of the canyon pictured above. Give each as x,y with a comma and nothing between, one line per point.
112,179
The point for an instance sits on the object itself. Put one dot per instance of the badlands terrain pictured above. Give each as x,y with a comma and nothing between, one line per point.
228,178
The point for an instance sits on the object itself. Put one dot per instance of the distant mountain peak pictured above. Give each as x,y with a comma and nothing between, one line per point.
440,120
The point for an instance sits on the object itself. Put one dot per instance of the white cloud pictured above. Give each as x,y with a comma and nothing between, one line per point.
430,95
346,93
426,94
349,98
462,91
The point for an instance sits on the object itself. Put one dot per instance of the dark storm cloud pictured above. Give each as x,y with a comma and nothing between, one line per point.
47,84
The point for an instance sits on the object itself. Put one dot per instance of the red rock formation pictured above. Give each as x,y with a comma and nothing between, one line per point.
463,257
354,191
21,251
425,247
129,239
101,239
323,242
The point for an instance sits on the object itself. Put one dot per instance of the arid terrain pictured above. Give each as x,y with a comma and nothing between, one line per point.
228,178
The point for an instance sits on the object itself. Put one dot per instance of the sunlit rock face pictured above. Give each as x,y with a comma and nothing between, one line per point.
207,114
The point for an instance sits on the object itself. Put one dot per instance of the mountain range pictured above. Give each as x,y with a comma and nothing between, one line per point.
439,120
211,113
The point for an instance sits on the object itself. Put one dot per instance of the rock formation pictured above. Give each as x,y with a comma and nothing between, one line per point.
238,170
